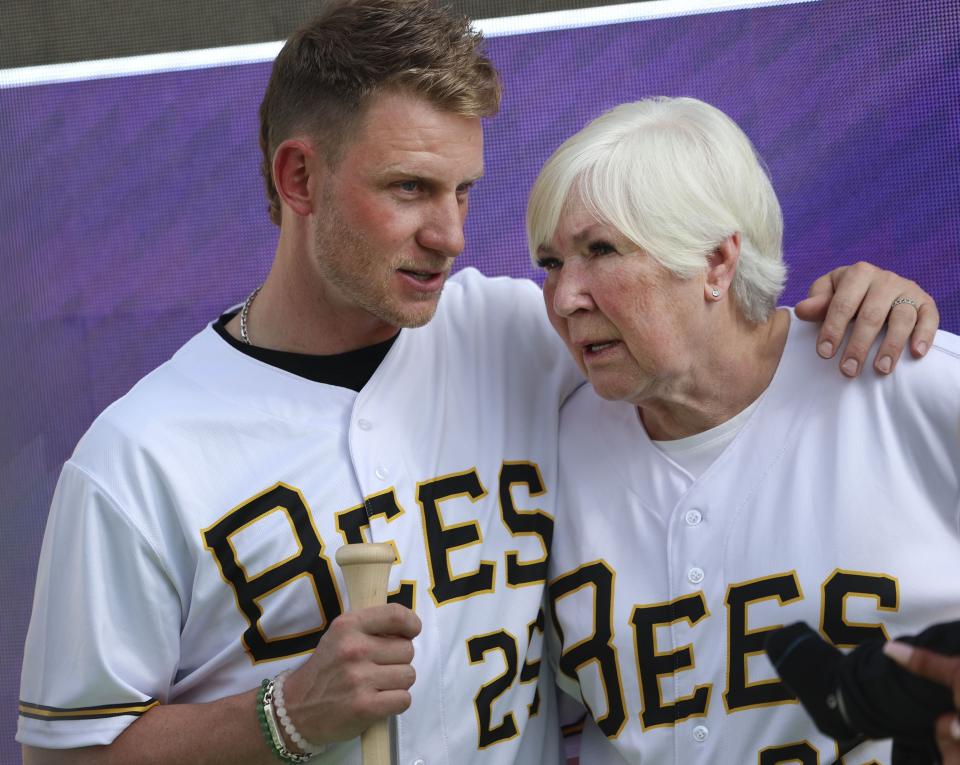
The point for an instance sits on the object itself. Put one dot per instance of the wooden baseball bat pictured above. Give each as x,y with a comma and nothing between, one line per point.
366,568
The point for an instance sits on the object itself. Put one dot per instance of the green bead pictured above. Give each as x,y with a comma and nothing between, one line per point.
264,727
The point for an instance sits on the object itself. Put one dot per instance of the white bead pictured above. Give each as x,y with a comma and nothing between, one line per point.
289,728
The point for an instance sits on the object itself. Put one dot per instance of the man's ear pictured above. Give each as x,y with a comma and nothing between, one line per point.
721,266
294,162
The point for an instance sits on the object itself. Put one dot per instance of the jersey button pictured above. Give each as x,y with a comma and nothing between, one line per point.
700,733
695,576
364,424
419,761
381,472
693,517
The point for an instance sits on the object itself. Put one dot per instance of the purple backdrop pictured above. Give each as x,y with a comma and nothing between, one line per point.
132,210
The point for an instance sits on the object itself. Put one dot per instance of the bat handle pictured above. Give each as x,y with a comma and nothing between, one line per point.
366,569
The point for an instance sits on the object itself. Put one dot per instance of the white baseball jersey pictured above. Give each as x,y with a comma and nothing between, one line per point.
836,504
190,548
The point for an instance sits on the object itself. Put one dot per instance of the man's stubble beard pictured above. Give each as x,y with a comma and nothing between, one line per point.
346,261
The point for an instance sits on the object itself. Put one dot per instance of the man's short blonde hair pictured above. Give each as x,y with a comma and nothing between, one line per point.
324,77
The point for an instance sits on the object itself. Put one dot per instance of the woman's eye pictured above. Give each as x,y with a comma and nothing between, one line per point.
601,248
548,264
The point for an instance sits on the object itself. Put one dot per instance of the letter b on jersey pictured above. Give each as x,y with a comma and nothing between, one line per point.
309,561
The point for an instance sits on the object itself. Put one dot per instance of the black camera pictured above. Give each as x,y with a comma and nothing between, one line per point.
863,694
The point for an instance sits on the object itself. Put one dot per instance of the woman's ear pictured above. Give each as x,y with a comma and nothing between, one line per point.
721,266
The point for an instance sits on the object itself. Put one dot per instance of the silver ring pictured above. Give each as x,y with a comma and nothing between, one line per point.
909,301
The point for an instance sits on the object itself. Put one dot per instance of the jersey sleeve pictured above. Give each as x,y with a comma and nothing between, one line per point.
103,642
508,320
927,418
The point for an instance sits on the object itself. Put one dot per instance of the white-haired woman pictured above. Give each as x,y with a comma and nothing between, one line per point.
716,481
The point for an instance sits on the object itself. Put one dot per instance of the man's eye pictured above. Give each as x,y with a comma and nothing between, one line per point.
409,186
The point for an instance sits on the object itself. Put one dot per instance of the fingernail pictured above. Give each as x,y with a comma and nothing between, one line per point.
884,364
850,367
922,348
955,729
825,349
899,652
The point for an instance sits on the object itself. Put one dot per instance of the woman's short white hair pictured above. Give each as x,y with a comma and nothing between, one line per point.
675,176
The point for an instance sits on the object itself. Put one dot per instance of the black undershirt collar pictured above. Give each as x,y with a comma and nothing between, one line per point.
347,370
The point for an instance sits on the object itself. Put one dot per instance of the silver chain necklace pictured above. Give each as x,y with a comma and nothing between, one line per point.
244,315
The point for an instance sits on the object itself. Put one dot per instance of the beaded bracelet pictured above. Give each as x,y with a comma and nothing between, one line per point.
285,720
262,716
268,724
